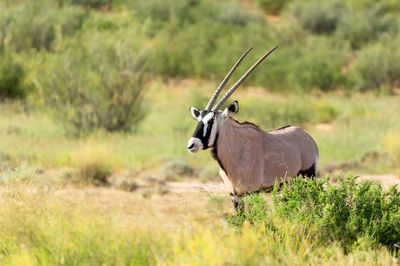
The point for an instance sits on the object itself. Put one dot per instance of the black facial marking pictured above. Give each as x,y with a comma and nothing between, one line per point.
199,131
204,113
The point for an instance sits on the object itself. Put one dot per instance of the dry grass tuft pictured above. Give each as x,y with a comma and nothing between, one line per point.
93,164
392,146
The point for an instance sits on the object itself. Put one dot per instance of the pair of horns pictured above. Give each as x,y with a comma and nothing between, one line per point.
237,84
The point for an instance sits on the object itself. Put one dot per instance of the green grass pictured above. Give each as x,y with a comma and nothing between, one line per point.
49,227
358,124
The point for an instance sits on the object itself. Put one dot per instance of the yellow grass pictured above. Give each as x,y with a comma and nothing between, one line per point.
93,163
392,146
108,227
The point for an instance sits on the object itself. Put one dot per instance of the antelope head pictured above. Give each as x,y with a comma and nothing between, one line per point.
211,118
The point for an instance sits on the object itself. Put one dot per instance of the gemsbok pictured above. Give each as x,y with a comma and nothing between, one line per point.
250,159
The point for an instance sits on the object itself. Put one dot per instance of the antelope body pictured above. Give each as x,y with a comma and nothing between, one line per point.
250,159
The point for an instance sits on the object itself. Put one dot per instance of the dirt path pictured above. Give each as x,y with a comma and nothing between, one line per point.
385,180
184,199
195,187
218,187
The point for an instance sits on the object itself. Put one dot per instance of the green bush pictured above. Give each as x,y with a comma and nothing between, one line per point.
91,3
324,112
270,114
363,26
377,66
201,39
346,212
38,24
272,6
389,5
96,83
204,42
209,174
319,66
318,16
71,19
32,26
176,168
12,75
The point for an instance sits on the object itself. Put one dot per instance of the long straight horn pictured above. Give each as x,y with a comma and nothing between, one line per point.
223,83
237,84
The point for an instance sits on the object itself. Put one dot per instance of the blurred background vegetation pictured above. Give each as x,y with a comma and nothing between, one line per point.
121,74
96,93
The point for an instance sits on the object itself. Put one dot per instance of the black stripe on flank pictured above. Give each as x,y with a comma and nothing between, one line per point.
310,172
214,153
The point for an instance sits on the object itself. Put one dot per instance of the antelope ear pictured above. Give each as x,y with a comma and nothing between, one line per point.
195,112
232,109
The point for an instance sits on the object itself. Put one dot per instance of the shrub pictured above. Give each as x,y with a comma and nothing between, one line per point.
38,24
127,185
176,168
71,19
392,146
318,16
377,66
272,6
209,174
344,211
93,164
96,83
319,66
324,112
12,75
204,42
269,114
347,212
19,173
366,25
32,26
90,3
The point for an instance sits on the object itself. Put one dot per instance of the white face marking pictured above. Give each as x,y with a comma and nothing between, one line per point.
205,120
213,134
194,144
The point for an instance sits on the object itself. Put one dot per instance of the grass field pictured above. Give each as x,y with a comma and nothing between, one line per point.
346,128
94,123
47,225
49,214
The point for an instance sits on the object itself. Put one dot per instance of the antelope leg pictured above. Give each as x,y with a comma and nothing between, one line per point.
237,202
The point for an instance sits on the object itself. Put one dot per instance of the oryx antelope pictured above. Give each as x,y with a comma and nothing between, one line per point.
250,159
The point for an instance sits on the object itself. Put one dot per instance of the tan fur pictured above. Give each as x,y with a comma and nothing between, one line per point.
254,159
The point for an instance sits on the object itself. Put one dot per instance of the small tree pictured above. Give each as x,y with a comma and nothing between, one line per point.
96,83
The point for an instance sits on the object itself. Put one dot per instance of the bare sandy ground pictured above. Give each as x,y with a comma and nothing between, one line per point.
186,200
385,180
191,186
